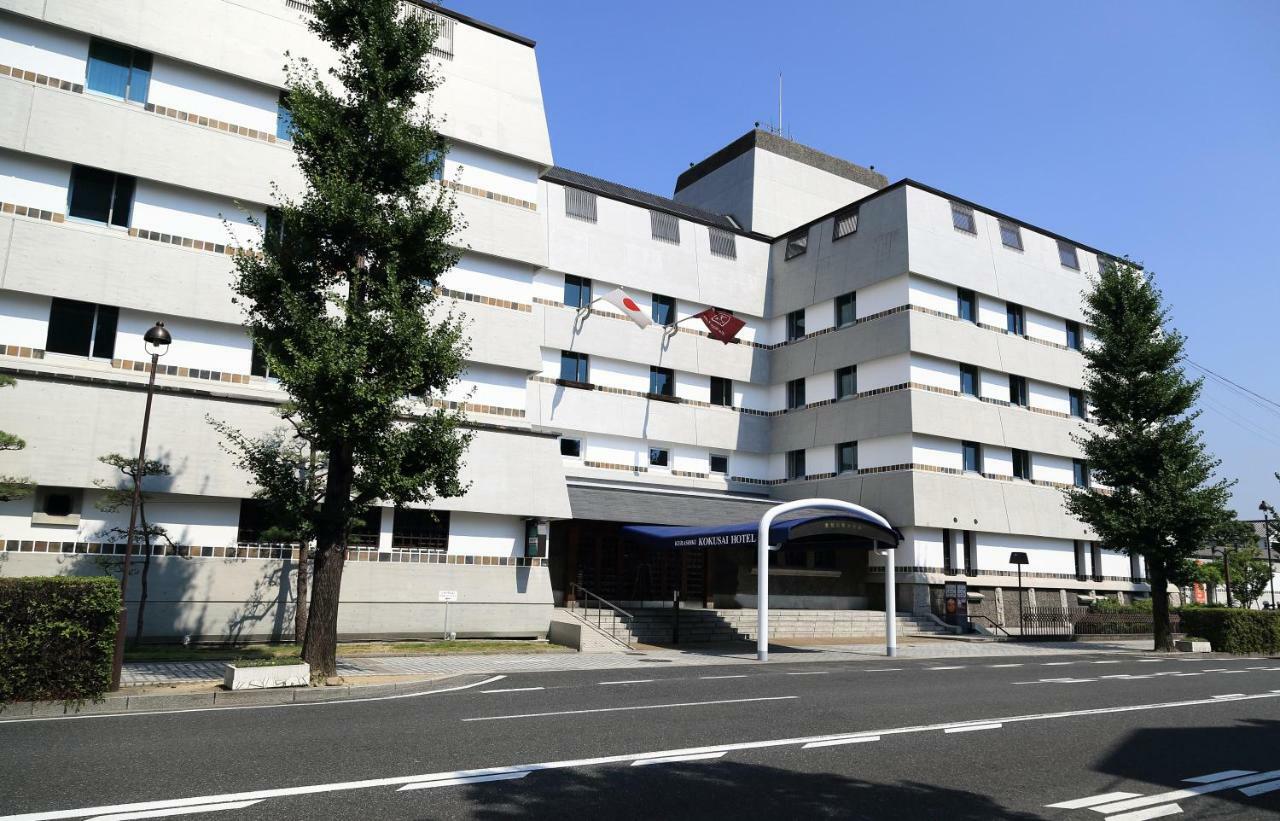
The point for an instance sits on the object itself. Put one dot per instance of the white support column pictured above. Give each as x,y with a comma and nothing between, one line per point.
387,530
890,604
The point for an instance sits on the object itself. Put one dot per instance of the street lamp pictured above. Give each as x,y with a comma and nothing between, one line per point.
1266,545
1019,558
157,341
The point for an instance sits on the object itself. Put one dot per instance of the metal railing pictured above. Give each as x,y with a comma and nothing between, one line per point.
582,597
990,621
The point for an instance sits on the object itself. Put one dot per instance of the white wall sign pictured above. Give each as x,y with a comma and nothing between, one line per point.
448,595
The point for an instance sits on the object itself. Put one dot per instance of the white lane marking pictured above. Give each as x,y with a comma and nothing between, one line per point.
165,813
1261,789
475,779
1082,803
811,673
629,681
1150,661
885,670
835,742
637,707
1231,695
142,713
675,759
1222,776
713,678
972,728
1181,675
1229,672
1004,665
1111,661
396,781
956,667
1149,813
1189,792
1057,663
1215,670
513,690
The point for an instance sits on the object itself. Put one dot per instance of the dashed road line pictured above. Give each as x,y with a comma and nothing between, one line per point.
676,759
836,742
454,782
629,681
972,728
514,690
631,708
713,678
1084,803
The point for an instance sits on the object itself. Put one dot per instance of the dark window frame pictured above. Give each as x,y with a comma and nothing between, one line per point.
711,463
970,553
721,392
967,447
1095,561
420,529
667,304
1021,464
137,82
949,552
67,318
722,243
664,227
584,286
966,298
1068,255
844,465
660,378
1015,319
974,374
797,244
795,464
846,302
123,186
581,205
1019,392
1082,573
844,224
659,457
851,372
580,371
964,213
795,325
1080,473
1078,402
574,444
1075,335
1011,235
796,393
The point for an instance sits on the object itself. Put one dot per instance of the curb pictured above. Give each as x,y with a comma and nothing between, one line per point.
240,698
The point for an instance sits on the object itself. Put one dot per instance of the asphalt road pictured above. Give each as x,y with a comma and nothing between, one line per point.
970,739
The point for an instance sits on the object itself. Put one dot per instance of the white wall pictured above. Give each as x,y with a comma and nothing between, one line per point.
480,168
936,451
493,277
992,311
884,450
1045,555
43,49
1046,326
881,296
189,520
213,94
212,346
1049,397
938,373
885,371
489,385
482,534
194,214
24,319
1049,468
993,384
934,295
33,181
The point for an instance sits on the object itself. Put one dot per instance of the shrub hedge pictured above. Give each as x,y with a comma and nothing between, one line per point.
1234,630
57,636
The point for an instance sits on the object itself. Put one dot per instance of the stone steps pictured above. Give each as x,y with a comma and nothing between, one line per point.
655,626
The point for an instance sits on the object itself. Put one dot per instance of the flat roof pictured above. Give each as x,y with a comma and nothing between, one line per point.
471,21
767,141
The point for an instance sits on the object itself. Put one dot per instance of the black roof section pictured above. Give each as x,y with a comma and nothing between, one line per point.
644,199
756,138
907,181
471,21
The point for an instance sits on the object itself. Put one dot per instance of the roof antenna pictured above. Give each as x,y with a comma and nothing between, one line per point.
780,131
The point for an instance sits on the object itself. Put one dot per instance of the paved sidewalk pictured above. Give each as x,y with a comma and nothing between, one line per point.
144,673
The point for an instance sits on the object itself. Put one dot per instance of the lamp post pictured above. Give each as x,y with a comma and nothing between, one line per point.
1018,558
157,341
1266,545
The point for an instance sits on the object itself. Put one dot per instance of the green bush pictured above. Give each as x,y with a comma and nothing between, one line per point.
1105,605
1232,630
57,636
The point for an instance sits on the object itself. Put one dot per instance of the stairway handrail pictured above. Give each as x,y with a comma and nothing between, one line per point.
613,626
615,608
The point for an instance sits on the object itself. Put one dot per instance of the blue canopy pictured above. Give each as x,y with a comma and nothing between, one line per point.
744,535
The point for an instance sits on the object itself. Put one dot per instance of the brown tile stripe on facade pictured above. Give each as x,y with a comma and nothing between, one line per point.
491,195
25,353
942,571
40,79
187,373
470,407
485,300
278,552
210,122
183,242
34,213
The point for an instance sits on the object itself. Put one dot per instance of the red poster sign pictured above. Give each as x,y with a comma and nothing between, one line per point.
722,325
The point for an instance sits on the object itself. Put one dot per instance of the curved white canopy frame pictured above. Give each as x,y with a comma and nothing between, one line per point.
762,571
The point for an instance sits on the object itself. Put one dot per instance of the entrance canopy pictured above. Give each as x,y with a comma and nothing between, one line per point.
852,523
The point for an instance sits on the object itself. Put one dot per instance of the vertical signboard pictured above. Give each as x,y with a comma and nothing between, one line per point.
956,603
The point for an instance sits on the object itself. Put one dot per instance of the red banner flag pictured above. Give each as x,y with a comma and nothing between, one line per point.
722,325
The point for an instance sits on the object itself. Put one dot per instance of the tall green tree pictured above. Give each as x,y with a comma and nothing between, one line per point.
1160,498
11,487
340,297
118,496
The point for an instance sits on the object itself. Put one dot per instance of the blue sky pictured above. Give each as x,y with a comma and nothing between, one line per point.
1143,128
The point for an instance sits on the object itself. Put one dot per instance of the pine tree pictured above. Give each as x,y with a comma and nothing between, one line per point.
340,297
11,487
1159,498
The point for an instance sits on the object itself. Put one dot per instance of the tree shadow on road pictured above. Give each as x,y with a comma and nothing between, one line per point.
723,789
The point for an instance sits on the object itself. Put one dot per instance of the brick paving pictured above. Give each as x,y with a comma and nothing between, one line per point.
168,672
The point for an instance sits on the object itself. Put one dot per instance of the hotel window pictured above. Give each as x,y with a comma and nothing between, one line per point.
1081,573
971,455
966,305
1010,235
664,227
663,310
118,71
82,328
1018,391
1067,255
570,447
970,554
258,524
795,464
847,381
580,204
962,218
1080,472
797,244
795,393
366,530
846,309
722,391
1135,568
284,119
846,223
574,367
258,364
948,552
723,244
659,457
1095,560
847,457
719,463
969,380
795,325
1079,407
1021,464
1015,319
662,381
100,196
1074,337
577,291
419,528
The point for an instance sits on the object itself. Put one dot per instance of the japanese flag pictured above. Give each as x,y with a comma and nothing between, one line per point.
618,299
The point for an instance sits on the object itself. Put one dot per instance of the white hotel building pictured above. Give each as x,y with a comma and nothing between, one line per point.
904,348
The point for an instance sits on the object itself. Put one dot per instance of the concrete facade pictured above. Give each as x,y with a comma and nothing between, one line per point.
855,340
